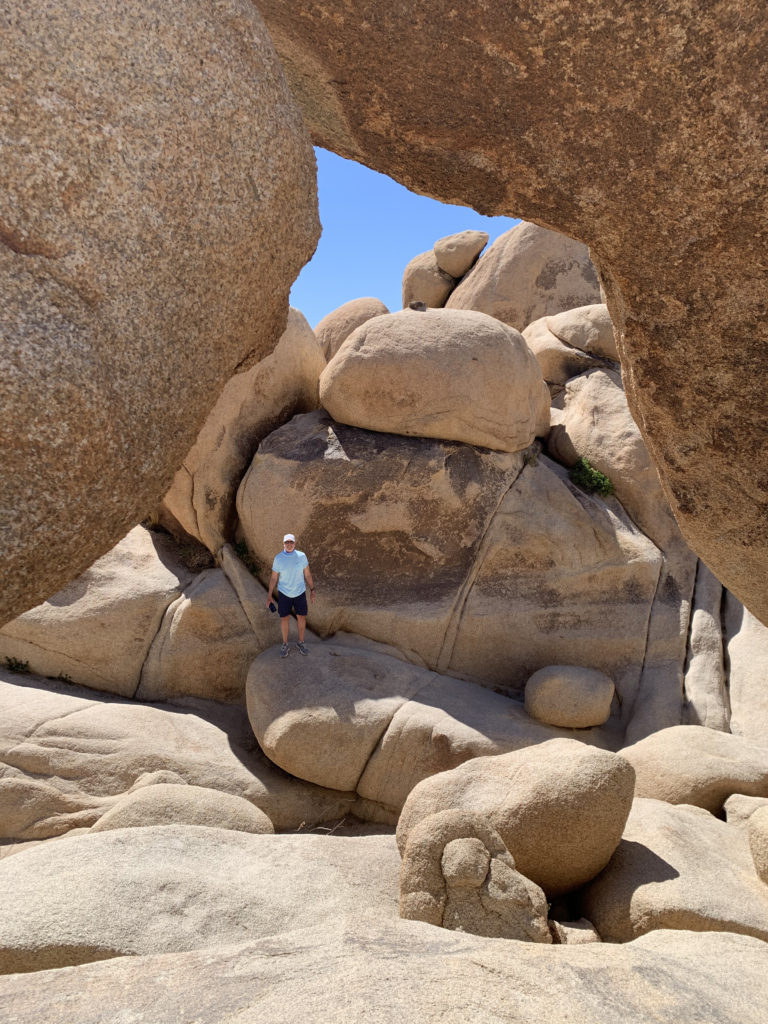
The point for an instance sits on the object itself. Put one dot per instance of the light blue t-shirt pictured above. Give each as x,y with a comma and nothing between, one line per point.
290,569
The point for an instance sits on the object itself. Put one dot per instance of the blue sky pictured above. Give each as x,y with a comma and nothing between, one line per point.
372,227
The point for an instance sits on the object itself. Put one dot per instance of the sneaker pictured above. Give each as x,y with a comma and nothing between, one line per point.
302,649
284,651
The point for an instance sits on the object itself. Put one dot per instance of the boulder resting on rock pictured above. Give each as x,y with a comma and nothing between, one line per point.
690,764
457,873
336,326
559,807
569,696
454,375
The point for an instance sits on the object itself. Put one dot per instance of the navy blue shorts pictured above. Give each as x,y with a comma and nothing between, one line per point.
286,604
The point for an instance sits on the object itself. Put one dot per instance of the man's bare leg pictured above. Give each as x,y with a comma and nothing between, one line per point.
284,624
301,621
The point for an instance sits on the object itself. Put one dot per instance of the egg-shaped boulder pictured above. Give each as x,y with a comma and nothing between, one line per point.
457,375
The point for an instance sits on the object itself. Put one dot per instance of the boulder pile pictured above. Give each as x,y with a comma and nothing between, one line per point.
526,708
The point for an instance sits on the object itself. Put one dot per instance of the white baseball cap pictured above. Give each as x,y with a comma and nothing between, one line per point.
289,536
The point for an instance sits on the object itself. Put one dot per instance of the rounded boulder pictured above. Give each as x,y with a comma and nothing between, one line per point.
559,807
569,696
169,804
455,254
451,374
334,329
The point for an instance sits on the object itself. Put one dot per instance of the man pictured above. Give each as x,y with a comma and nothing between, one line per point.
291,568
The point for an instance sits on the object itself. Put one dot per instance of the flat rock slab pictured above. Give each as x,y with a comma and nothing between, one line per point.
384,971
68,754
171,888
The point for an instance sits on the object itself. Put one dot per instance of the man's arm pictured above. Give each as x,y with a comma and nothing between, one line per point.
272,585
310,584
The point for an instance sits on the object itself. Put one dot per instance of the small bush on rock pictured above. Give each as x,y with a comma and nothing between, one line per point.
584,475
16,665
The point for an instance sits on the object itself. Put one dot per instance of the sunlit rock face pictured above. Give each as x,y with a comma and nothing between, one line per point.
470,561
655,158
158,200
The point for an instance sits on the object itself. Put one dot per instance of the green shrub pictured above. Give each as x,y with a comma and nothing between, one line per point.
15,665
584,475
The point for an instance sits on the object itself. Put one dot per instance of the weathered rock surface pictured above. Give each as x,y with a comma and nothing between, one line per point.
574,933
454,375
457,873
173,804
540,129
386,970
52,781
435,547
559,807
587,328
572,574
424,281
253,403
558,362
527,273
98,630
158,202
165,889
747,649
360,718
204,644
455,254
757,832
677,867
707,698
569,696
140,624
739,808
334,329
395,523
596,424
572,342
689,764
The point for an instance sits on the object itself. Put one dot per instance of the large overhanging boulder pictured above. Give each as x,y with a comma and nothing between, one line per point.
157,203
656,158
